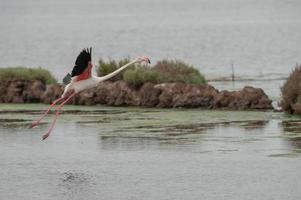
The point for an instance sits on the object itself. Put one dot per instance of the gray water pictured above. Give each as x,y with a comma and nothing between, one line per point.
130,153
260,37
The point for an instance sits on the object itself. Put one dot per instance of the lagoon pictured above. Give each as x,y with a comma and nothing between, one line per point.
102,152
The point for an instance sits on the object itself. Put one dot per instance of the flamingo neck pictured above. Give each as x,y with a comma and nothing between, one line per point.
114,73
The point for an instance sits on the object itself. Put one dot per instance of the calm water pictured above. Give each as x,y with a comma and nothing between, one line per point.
261,37
130,153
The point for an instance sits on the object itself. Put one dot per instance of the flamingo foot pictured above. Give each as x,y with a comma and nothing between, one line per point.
45,136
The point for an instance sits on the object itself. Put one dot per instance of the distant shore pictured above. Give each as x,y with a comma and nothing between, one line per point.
166,84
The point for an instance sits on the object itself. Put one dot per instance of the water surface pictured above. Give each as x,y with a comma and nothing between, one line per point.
132,153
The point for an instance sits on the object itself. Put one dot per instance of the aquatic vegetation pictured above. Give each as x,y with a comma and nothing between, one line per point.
291,92
178,71
28,74
256,124
135,128
137,77
14,123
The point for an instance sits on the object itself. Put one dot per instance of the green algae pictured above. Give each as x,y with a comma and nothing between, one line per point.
165,126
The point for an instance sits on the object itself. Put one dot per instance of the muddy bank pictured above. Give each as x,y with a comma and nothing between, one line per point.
167,95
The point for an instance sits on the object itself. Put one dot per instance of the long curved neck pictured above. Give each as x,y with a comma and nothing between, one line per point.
114,73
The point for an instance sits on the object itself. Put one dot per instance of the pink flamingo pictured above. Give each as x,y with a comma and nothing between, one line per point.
81,79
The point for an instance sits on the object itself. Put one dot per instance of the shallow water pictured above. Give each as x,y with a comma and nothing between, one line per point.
132,153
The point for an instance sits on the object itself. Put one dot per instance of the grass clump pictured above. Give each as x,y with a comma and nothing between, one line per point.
137,77
291,92
28,74
178,71
165,71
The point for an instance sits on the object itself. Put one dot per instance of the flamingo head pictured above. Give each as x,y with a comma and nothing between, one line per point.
142,59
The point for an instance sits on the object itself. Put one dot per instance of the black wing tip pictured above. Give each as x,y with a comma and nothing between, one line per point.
82,61
87,50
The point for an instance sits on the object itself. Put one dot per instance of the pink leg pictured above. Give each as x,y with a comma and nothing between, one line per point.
57,113
39,120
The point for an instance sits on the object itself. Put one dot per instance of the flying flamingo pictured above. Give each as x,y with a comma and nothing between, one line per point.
81,79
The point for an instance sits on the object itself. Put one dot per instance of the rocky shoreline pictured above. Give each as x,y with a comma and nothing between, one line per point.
119,93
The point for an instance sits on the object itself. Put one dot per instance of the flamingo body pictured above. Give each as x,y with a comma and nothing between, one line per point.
78,86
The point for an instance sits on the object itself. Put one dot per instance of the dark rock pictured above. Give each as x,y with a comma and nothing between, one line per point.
84,98
16,99
119,93
116,93
149,95
186,95
33,92
51,93
14,91
247,98
197,96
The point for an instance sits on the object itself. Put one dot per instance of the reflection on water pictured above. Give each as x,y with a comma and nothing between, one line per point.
292,130
292,126
296,143
173,136
103,152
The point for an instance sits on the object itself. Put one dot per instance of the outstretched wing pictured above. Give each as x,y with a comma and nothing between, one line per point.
81,62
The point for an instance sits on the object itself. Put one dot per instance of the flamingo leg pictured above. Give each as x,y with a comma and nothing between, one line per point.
39,120
57,113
